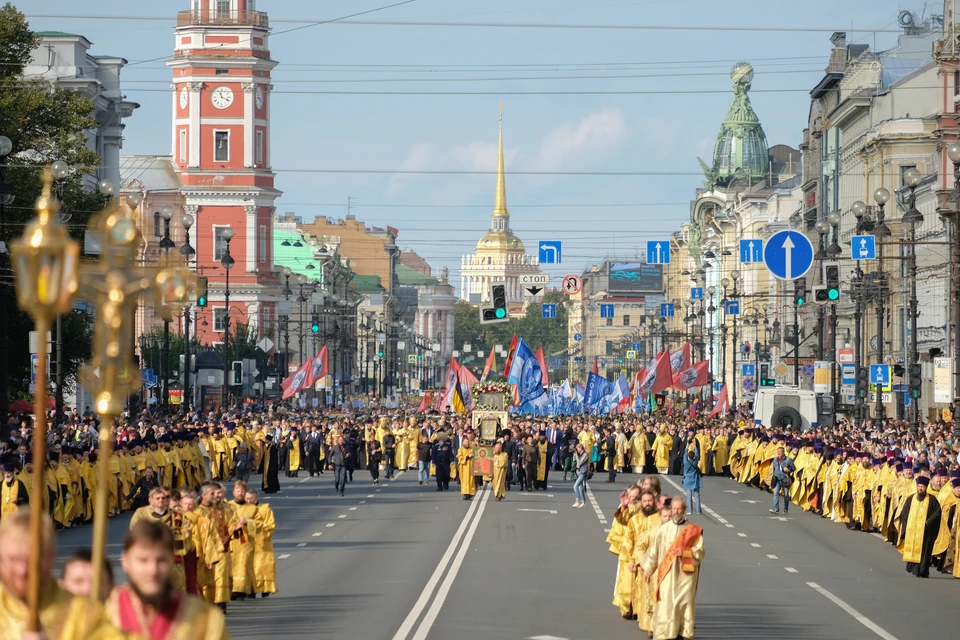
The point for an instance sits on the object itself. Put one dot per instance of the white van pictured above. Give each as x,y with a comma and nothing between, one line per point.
785,407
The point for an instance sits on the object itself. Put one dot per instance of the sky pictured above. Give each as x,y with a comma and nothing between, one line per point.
580,105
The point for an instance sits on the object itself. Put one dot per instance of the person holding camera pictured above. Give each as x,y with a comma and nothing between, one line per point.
783,470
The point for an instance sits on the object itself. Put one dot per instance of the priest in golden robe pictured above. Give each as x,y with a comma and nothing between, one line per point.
62,616
13,493
919,528
639,445
661,450
264,562
629,505
641,517
643,588
673,564
948,499
465,468
500,463
721,453
243,544
215,526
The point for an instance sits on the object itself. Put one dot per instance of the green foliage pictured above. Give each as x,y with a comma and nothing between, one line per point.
535,330
44,123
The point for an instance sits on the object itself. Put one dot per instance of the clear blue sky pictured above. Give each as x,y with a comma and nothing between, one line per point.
442,216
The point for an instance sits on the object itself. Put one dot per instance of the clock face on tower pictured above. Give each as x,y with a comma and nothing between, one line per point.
258,97
184,98
222,97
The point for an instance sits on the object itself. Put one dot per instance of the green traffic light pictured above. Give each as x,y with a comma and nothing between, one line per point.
202,301
379,354
800,302
315,328
833,294
501,313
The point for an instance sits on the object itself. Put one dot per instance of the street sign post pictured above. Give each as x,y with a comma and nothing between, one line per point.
732,307
658,252
631,355
751,251
788,254
880,375
549,311
606,311
578,337
666,309
863,248
696,293
572,284
748,370
535,278
848,374
551,252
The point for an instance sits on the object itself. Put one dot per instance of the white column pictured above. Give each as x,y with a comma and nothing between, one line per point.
252,237
430,332
248,133
174,134
194,135
266,110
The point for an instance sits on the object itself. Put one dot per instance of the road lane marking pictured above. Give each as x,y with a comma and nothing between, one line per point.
302,544
755,545
729,526
372,495
342,517
330,524
877,535
318,533
283,556
397,475
742,535
853,613
772,557
596,506
539,510
304,480
790,570
353,508
362,502
428,619
431,585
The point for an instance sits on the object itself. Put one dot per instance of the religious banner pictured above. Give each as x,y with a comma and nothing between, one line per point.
483,461
943,380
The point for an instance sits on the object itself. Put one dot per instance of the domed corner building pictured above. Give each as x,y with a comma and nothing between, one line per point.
500,255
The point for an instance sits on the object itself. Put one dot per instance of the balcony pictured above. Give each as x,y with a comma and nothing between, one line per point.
226,18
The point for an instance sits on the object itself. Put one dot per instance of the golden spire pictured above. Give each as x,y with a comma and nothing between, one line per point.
500,208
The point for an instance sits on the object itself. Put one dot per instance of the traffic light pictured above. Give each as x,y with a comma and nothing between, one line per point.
863,381
820,293
237,378
202,291
497,310
800,292
315,322
831,277
916,381
765,379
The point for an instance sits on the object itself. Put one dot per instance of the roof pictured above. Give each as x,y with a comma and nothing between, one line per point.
623,299
297,258
408,276
56,34
505,241
153,173
366,284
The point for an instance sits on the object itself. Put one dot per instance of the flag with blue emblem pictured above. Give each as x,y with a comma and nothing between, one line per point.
525,372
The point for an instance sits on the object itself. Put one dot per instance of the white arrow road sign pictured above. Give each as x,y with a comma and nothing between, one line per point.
539,510
751,501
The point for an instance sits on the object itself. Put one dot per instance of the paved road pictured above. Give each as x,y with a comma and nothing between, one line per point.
401,561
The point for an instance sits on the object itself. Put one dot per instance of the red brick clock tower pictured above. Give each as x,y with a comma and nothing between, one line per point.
221,140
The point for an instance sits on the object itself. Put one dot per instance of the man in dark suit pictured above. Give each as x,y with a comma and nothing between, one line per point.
610,450
311,447
677,451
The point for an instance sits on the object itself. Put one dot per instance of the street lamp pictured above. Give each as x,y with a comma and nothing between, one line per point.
735,275
834,249
227,262
910,219
107,189
187,251
712,309
166,244
881,196
822,229
60,171
6,197
952,216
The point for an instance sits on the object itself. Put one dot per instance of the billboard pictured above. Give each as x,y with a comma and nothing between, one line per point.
636,277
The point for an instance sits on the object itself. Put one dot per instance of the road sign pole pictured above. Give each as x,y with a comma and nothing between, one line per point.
796,344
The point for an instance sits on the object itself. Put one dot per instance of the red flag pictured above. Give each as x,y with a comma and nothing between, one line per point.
596,367
659,377
425,401
694,407
452,378
680,359
544,377
295,382
696,376
318,369
510,352
466,380
720,405
490,366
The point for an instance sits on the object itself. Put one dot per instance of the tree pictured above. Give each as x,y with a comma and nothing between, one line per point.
45,123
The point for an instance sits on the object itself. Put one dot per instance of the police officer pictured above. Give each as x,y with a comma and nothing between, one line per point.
442,458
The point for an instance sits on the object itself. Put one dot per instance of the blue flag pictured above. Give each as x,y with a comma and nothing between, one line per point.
526,374
597,389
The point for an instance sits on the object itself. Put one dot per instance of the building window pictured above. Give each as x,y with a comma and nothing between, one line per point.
223,8
263,243
157,225
259,148
626,321
219,319
221,72
219,244
609,348
221,146
183,146
609,322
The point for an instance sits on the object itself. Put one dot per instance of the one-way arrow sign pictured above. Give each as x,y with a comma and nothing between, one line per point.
534,290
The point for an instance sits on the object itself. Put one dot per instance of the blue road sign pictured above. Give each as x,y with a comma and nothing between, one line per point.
717,386
578,337
748,370
751,251
788,254
807,370
551,252
747,384
863,248
880,374
606,310
696,293
848,374
666,309
636,346
732,307
658,252
901,388
549,311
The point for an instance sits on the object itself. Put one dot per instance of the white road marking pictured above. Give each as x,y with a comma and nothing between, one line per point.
751,501
780,518
546,638
302,544
733,492
755,545
397,476
342,517
379,490
362,502
431,585
729,526
372,495
772,557
434,610
790,570
539,510
304,480
596,506
353,508
549,495
742,535
283,556
331,524
856,615
318,533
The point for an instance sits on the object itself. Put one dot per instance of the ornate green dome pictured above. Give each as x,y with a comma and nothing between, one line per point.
741,149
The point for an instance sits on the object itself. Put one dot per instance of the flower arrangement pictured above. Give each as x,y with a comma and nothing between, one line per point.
490,387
